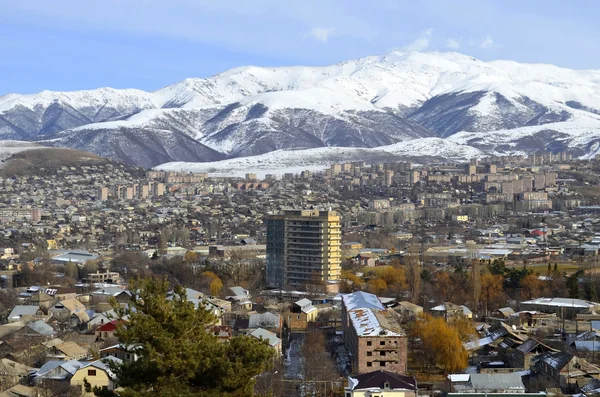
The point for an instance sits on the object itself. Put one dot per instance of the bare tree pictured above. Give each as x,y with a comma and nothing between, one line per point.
415,267
318,364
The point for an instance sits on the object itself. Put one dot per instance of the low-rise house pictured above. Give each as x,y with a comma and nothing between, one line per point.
103,295
65,293
269,321
382,384
561,306
57,371
450,310
120,351
269,336
301,314
7,330
43,300
24,313
37,328
567,371
97,374
68,351
588,341
222,332
503,313
107,330
487,383
408,310
20,391
523,355
240,299
63,310
13,373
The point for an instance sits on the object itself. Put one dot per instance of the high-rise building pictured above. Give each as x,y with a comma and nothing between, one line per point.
303,248
102,193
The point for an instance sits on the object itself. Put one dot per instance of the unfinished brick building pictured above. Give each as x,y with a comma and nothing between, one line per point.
372,334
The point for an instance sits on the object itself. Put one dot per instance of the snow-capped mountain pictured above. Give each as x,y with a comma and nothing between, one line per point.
496,107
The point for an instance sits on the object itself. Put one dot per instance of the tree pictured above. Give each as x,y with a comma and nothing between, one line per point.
476,283
465,328
573,284
443,285
318,364
351,281
491,290
376,286
190,257
441,344
215,285
71,270
531,286
394,276
414,274
178,354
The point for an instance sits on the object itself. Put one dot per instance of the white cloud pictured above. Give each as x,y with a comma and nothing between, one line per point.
453,44
421,43
483,42
321,34
487,42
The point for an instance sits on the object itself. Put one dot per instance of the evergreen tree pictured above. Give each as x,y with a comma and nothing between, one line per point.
555,267
178,353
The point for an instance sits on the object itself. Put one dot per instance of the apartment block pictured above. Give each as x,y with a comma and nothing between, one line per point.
372,334
303,247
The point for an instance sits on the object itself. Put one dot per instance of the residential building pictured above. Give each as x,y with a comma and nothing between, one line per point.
97,374
301,314
269,336
381,384
303,247
373,334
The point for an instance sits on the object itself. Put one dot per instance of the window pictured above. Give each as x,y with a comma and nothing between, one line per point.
382,343
91,372
382,363
382,353
369,354
369,364
369,343
348,394
298,317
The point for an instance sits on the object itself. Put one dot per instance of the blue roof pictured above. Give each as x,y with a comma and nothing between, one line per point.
22,310
41,328
362,300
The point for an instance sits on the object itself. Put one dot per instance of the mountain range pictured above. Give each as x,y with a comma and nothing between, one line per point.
445,105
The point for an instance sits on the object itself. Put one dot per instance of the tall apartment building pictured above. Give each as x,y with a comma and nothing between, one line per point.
373,335
303,247
102,193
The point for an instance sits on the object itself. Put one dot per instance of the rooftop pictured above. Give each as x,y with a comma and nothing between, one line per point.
562,302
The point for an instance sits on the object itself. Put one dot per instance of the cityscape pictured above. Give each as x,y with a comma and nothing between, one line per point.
299,199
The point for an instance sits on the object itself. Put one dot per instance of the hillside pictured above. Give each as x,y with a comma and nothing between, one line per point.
45,161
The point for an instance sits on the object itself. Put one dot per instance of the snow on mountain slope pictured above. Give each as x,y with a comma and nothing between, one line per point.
279,162
367,102
579,135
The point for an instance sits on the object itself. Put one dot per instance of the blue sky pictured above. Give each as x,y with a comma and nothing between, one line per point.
147,44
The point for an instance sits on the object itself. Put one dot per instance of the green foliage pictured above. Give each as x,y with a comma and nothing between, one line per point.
572,283
512,276
179,355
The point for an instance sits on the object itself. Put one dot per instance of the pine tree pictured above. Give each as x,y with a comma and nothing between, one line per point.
178,353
